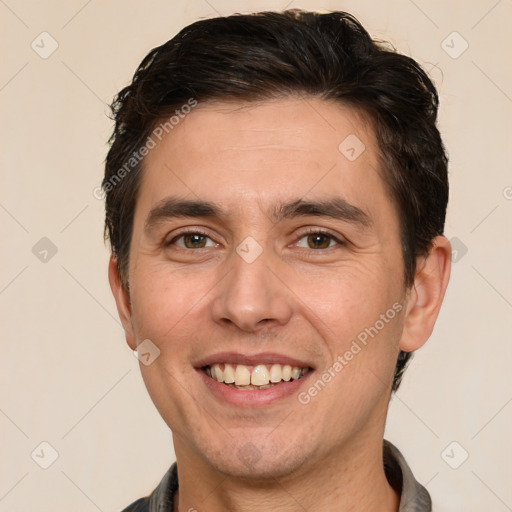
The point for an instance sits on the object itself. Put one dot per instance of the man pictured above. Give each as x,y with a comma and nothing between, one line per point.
276,192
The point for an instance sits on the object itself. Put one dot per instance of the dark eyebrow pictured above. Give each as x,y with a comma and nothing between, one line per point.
174,208
336,208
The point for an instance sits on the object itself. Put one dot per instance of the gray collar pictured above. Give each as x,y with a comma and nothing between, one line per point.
413,496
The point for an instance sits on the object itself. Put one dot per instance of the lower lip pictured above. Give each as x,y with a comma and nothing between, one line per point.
253,397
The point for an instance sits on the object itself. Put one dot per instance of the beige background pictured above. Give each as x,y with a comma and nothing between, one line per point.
68,377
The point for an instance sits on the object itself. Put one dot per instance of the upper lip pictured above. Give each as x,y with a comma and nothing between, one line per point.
250,360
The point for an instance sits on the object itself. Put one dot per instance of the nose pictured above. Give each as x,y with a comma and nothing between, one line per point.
252,296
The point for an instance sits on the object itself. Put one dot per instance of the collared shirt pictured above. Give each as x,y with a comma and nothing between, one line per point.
413,496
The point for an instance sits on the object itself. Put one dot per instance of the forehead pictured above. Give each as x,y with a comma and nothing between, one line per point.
248,155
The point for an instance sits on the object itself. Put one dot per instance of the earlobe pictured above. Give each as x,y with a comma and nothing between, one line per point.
122,298
426,296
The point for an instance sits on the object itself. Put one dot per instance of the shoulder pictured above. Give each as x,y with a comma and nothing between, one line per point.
141,505
162,498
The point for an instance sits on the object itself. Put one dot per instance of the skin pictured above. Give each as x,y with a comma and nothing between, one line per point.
295,299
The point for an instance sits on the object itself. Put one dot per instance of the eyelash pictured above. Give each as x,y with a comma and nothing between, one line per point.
311,231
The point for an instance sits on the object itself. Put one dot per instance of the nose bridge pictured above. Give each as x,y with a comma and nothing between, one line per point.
251,296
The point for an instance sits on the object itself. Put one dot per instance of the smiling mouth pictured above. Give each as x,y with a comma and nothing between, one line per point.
261,376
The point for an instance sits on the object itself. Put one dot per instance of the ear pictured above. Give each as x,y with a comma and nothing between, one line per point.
426,295
122,298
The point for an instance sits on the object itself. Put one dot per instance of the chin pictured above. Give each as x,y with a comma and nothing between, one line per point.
258,461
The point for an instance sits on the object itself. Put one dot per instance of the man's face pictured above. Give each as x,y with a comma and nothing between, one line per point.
266,282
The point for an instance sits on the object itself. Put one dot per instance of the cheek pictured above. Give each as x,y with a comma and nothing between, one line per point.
164,301
167,309
342,303
358,316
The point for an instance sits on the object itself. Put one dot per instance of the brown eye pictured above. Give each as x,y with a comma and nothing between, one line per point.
192,240
317,240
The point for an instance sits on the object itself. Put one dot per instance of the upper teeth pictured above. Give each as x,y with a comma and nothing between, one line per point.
260,375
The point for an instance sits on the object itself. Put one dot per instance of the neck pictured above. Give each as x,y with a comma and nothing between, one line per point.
351,479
